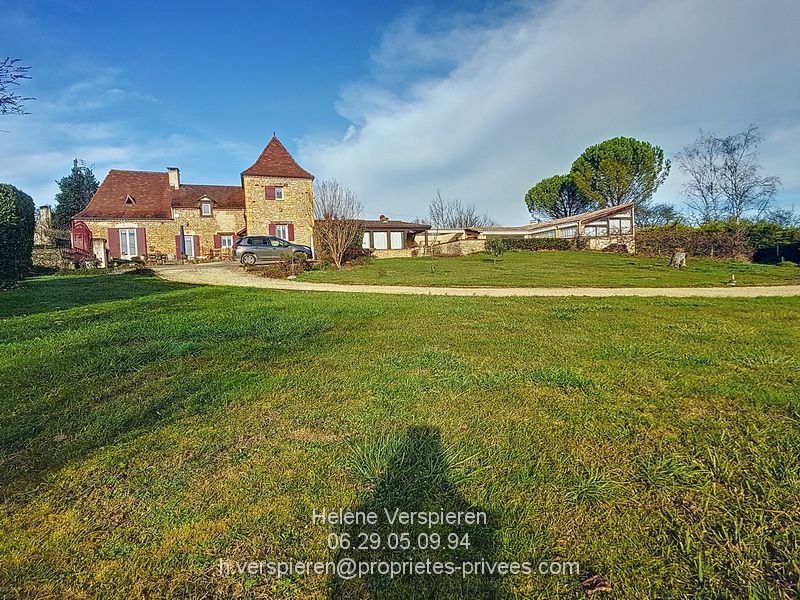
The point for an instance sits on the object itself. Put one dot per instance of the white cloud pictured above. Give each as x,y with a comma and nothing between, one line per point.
518,98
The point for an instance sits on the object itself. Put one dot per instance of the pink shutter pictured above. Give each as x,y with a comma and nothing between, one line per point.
269,192
235,237
272,228
291,232
196,245
141,241
217,241
113,242
178,249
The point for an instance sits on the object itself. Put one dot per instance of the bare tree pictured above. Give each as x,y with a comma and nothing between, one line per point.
451,214
11,73
337,219
746,191
701,162
724,177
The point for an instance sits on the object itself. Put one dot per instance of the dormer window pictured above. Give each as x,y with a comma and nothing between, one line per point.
130,200
205,209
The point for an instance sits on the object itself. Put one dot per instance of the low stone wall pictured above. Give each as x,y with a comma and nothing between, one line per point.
456,248
51,258
399,253
599,243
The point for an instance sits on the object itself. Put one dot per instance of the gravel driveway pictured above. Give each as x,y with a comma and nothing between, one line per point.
229,273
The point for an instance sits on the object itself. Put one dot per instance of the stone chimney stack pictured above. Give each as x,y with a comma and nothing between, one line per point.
174,177
45,216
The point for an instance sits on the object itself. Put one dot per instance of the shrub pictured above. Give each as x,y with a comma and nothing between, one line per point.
17,223
495,246
618,248
545,243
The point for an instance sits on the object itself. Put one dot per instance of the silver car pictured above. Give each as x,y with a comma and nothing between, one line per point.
252,249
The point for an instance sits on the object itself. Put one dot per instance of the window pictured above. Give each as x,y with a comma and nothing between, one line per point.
188,246
545,234
226,241
127,243
595,231
278,193
619,226
205,209
380,240
276,243
568,232
397,240
282,231
365,243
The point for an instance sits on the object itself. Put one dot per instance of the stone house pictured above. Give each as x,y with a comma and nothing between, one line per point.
143,213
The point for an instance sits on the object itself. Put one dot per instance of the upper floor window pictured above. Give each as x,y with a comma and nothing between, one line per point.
278,193
205,209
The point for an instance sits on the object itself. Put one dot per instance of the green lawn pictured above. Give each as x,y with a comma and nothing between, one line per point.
557,269
149,430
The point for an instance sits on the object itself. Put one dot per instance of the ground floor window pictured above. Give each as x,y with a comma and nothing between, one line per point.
595,231
545,234
188,246
127,243
397,240
380,240
226,241
568,232
619,225
282,231
365,243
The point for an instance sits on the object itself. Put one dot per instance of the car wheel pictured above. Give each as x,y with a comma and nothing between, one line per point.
249,259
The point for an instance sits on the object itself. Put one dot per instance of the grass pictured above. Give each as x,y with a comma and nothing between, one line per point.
557,269
149,430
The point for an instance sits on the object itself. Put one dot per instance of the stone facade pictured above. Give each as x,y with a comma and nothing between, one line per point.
295,208
160,234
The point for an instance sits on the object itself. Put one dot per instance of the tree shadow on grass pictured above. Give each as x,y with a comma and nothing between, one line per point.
418,479
48,294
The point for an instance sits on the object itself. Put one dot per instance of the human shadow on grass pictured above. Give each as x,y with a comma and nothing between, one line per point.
418,479
51,294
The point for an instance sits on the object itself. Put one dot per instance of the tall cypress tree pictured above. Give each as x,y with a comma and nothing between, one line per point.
77,189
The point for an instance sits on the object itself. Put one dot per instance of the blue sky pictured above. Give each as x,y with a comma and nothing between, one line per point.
395,99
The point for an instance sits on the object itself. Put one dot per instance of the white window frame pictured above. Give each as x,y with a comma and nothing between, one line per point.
278,192
568,232
126,235
380,240
188,246
282,227
393,239
619,226
365,243
226,241
205,209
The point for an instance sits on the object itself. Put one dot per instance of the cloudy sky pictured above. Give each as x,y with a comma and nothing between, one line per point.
396,100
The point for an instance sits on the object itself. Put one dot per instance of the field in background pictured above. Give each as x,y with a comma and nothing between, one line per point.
149,430
557,269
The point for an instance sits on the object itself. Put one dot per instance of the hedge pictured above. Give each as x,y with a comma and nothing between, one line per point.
720,240
545,243
17,223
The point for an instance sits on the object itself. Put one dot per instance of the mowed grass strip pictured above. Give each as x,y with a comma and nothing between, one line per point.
557,269
150,429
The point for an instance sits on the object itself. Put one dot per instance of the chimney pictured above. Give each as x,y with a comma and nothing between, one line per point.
383,218
174,177
45,216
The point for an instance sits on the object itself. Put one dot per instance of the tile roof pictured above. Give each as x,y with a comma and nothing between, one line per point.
390,224
153,197
587,216
223,196
275,161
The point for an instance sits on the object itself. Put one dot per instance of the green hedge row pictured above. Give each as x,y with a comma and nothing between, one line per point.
16,234
717,240
545,244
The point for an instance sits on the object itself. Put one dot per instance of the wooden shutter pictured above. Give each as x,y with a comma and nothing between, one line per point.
113,242
291,232
217,241
141,241
272,228
196,240
178,249
269,192
235,237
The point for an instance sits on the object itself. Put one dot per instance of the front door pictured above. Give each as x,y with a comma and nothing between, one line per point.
127,243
